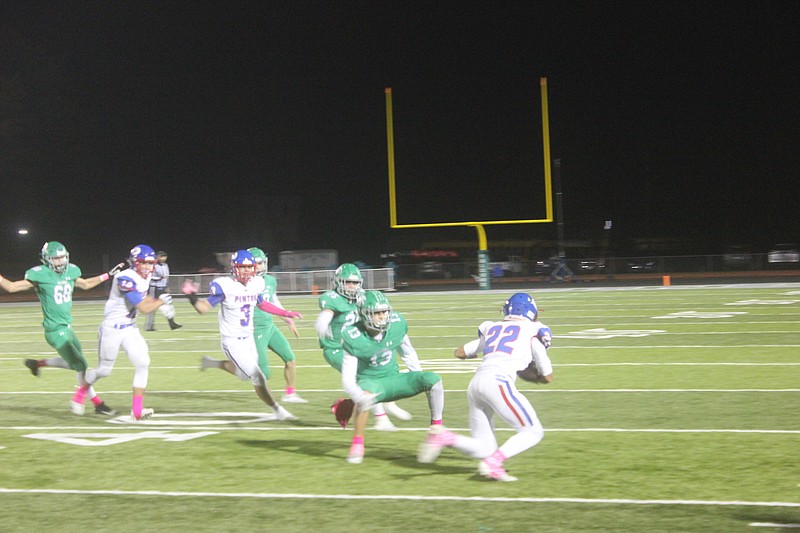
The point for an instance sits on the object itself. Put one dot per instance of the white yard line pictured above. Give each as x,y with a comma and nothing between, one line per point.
258,495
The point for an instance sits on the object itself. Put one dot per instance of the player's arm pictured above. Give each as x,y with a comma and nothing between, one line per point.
275,310
469,350
409,355
540,370
91,283
15,286
289,322
323,324
190,289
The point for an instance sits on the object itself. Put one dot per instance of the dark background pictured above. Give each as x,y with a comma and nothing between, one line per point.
199,127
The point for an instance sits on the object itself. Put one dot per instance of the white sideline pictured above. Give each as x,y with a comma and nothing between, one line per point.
619,501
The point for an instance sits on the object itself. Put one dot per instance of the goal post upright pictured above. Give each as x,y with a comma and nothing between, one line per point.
483,249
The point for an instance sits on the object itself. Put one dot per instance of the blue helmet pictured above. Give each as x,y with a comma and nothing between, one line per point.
243,266
142,259
521,304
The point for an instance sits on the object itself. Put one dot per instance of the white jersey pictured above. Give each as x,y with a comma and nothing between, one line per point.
237,304
127,290
509,346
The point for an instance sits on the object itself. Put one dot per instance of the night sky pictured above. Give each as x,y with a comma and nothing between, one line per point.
208,126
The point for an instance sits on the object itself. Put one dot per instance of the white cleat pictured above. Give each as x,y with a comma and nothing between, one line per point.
208,362
397,412
77,408
494,472
293,398
146,413
283,414
382,423
356,454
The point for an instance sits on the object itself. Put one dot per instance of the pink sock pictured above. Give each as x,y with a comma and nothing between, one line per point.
358,440
436,422
497,457
96,400
137,406
289,390
80,395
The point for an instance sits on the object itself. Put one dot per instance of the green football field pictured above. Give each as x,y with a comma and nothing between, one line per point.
672,409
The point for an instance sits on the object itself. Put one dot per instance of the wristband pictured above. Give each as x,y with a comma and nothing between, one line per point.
192,298
104,276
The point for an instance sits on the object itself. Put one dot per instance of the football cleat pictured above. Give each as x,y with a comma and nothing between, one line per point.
103,409
77,407
382,423
33,366
356,454
293,398
493,470
146,413
397,412
283,414
432,446
208,362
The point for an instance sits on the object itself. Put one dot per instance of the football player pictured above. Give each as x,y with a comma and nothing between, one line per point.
338,309
370,373
54,282
267,334
126,299
238,296
517,345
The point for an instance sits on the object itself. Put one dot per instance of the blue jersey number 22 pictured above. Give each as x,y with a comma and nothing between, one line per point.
499,337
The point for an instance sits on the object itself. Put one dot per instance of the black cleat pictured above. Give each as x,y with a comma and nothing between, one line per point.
33,366
103,409
174,325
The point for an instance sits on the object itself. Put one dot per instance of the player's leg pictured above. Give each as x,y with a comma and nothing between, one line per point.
356,453
139,355
243,354
279,344
382,422
513,407
262,343
71,352
55,339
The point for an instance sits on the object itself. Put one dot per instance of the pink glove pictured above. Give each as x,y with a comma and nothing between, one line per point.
189,287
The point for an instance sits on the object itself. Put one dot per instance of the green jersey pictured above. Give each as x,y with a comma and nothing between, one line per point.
55,294
262,319
375,357
345,313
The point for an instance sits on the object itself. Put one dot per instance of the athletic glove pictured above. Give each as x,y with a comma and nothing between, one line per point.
166,298
117,268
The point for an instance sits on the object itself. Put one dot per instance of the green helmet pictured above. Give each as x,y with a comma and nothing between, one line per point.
347,272
55,256
261,260
374,309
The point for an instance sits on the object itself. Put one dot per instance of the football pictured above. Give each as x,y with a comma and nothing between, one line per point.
531,373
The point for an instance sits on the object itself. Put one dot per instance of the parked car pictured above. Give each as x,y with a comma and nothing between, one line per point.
642,264
784,253
738,256
593,265
432,269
